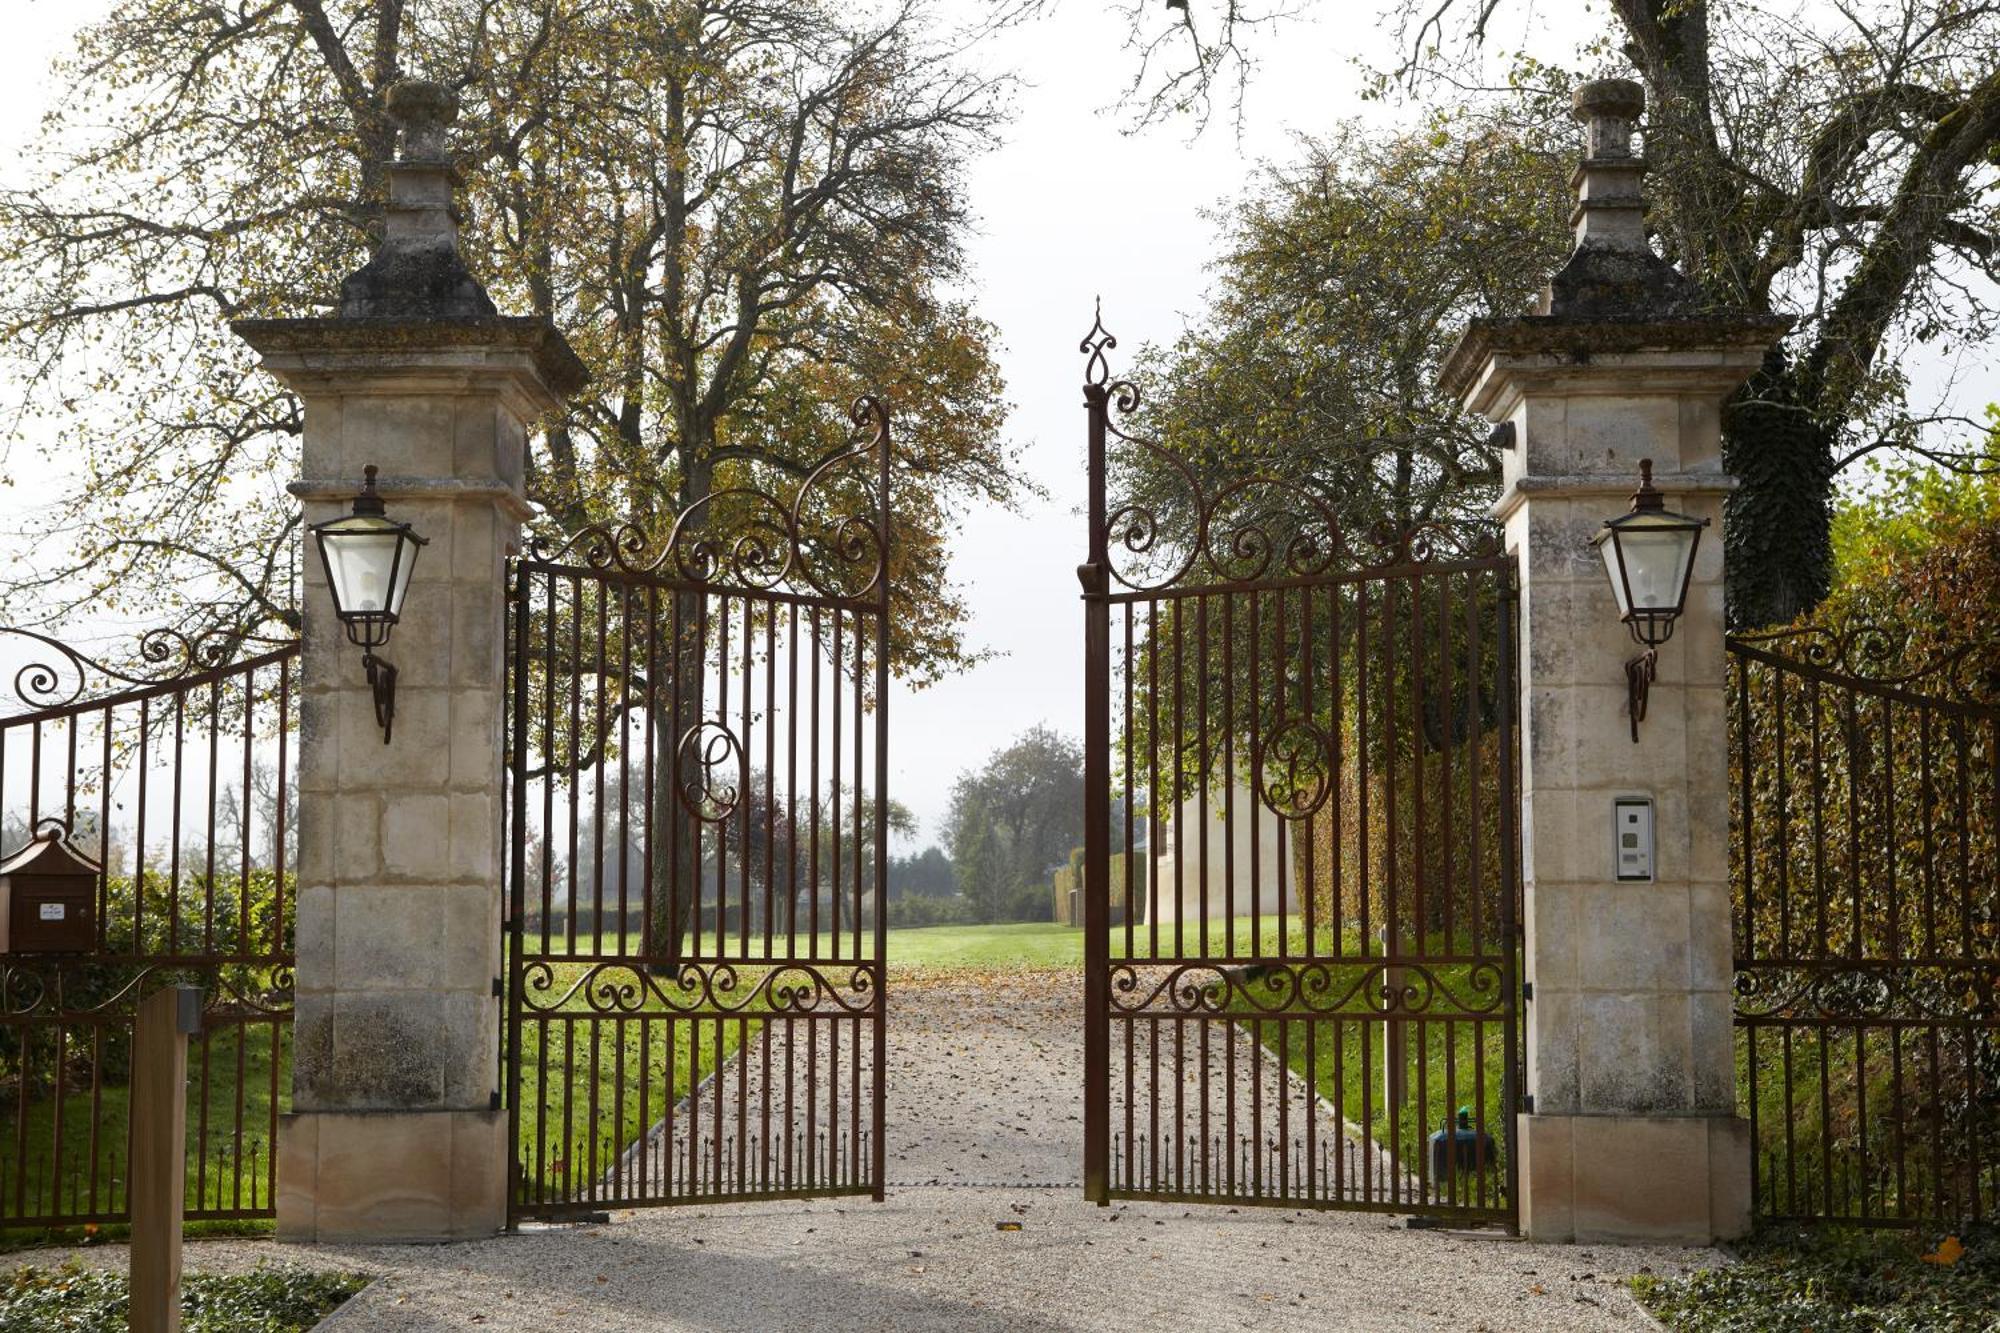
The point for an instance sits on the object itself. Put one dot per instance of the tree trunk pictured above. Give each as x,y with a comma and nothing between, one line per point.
677,831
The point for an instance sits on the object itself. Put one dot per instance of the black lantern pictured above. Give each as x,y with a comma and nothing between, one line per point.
368,562
1649,554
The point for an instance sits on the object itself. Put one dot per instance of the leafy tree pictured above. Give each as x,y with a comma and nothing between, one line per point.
1028,796
1344,280
741,214
982,872
925,875
1918,554
1835,164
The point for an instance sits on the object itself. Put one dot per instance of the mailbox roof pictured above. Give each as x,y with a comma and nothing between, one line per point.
48,853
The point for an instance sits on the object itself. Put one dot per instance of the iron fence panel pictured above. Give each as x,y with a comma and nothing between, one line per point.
174,779
1866,802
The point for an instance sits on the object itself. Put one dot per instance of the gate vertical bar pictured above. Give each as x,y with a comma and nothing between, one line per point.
878,1154
1510,891
517,883
1094,575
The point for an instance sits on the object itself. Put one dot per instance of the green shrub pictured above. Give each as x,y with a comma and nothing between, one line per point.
911,911
1832,1280
75,1299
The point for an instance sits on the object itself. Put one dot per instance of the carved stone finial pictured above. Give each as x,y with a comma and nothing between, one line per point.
423,111
1608,109
416,271
1613,272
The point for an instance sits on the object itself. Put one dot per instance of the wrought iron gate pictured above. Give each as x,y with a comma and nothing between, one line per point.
1867,923
171,778
1300,866
698,820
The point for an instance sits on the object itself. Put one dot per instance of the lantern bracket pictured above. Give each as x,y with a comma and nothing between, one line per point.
382,683
1639,673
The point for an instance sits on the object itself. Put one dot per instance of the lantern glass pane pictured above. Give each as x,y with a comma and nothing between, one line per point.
361,559
1656,556
1607,547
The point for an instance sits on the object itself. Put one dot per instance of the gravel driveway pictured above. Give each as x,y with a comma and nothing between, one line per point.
986,1133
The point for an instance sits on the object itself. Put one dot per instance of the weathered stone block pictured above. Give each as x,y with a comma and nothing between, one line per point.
1554,1048
1712,1050
1634,937
422,646
477,543
357,850
1607,435
475,837
389,938
416,836
405,435
389,1177
478,639
390,1051
1547,1177
475,437
1642,1178
476,739
418,753
469,957
468,1049
1711,964
314,932
1633,1052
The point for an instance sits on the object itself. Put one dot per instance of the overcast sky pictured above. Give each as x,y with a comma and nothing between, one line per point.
1072,207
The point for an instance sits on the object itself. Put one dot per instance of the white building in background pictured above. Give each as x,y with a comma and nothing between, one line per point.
1239,865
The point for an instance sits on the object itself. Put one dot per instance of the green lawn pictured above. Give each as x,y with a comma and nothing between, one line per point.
1034,944
1445,1066
1045,944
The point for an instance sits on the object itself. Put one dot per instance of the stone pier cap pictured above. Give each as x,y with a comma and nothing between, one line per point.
336,345
1496,354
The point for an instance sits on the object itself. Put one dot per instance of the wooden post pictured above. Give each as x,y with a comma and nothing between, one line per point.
159,1154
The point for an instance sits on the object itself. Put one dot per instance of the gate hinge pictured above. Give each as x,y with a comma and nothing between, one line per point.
1528,1102
493,1100
497,992
1527,990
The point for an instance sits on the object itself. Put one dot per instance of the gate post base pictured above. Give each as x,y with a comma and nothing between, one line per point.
1669,1179
391,1177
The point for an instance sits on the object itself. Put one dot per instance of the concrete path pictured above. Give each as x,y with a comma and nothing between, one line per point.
985,1133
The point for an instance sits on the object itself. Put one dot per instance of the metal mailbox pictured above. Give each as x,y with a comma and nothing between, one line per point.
48,897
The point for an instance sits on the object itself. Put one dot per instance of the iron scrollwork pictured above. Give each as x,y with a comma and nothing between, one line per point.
1256,528
1293,769
164,657
1874,657
87,989
762,542
710,772
1837,993
707,989
1320,988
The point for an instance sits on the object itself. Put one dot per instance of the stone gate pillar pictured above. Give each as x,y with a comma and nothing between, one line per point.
1631,1131
394,1132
